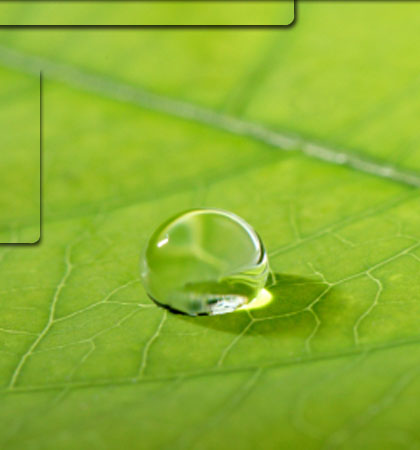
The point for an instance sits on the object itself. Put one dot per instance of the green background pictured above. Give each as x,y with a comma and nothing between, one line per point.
312,135
147,12
20,156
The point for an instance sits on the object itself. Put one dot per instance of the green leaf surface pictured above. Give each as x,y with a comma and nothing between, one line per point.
311,135
146,12
19,158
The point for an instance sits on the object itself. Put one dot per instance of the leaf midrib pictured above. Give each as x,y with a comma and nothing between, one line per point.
126,93
230,124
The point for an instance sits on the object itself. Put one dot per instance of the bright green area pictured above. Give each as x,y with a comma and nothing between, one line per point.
19,158
147,12
87,361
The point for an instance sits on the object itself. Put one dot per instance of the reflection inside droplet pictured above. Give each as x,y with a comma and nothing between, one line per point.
205,261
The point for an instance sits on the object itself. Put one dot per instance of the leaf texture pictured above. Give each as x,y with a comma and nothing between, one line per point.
311,135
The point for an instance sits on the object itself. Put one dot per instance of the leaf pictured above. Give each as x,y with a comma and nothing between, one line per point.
20,159
147,12
312,136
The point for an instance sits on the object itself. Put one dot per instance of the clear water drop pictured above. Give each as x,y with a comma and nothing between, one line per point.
204,261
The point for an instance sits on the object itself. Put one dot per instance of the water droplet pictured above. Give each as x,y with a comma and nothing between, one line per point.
204,261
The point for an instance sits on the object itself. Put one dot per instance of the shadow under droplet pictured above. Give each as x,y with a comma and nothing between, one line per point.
291,295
